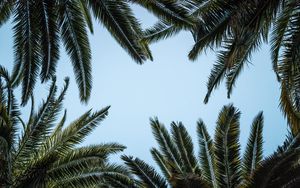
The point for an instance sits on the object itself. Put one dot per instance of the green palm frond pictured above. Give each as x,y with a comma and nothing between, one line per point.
27,44
49,38
111,175
161,30
185,147
6,7
112,15
216,76
74,35
87,16
291,142
227,147
288,108
100,151
231,61
254,151
82,159
146,173
205,37
278,33
137,30
76,131
60,125
8,96
206,155
166,143
171,11
288,70
162,162
164,29
244,47
116,175
40,125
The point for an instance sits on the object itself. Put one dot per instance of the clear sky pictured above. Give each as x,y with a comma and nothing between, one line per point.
171,88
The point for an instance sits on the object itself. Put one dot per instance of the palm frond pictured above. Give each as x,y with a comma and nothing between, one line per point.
108,175
87,15
206,155
170,11
289,110
254,150
227,147
216,76
162,162
49,38
75,39
161,30
291,143
77,131
27,45
185,147
146,173
37,130
136,29
115,19
166,143
206,37
246,43
60,125
6,8
278,33
80,159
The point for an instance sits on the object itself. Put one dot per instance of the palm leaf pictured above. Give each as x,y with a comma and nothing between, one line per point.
206,154
278,33
115,19
216,76
26,44
168,10
87,15
49,38
246,43
75,39
6,7
227,147
161,30
146,173
254,150
166,144
185,146
162,162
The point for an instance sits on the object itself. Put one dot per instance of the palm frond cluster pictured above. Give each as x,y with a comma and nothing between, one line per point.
237,29
42,152
40,26
219,162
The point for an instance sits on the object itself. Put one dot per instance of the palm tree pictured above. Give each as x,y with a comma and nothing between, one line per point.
44,153
219,163
39,26
237,29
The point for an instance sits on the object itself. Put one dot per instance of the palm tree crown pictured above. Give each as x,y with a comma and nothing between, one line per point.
219,163
39,26
44,153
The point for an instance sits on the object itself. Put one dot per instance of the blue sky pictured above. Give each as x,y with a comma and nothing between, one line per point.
171,88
